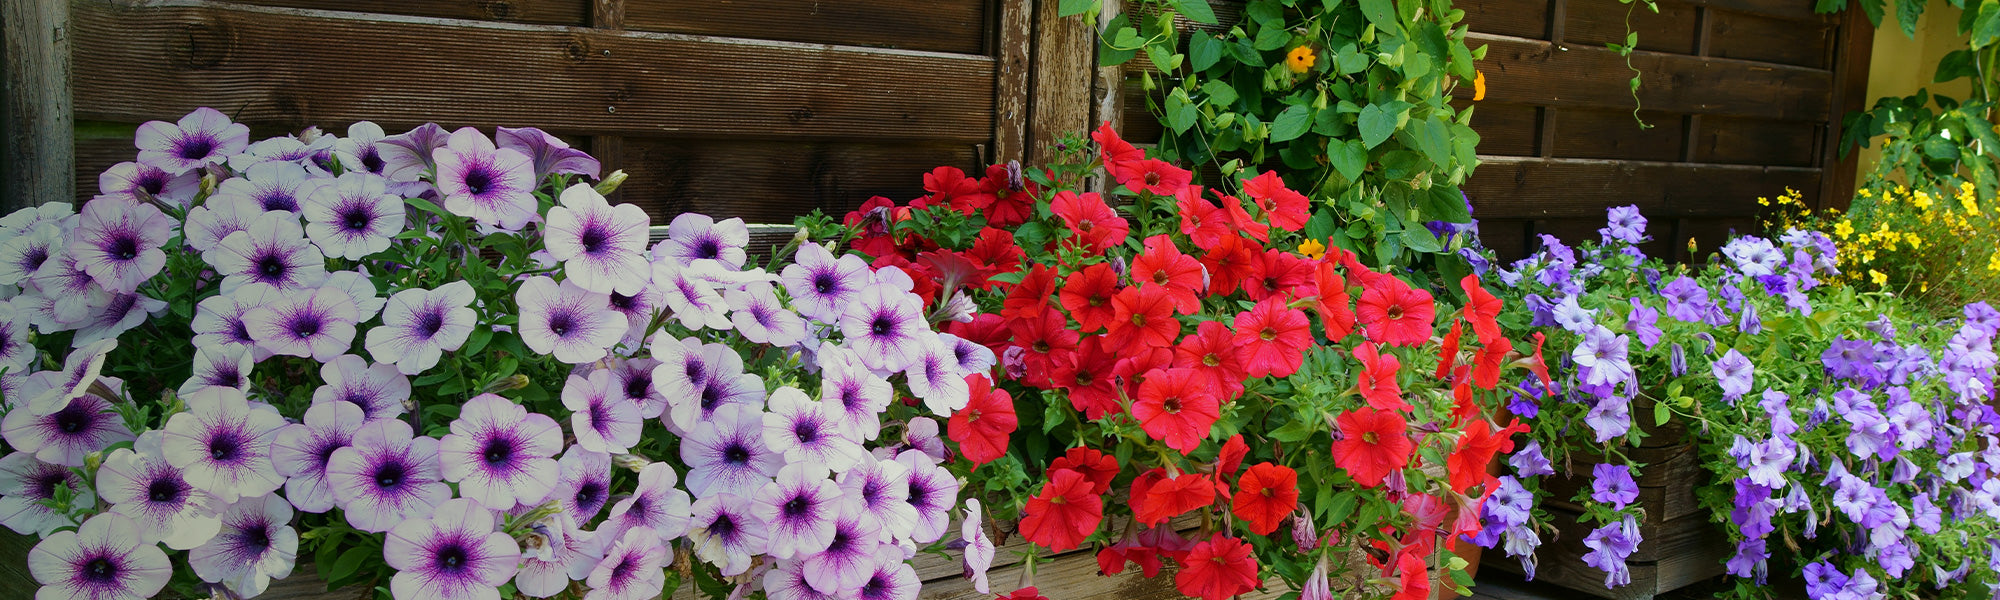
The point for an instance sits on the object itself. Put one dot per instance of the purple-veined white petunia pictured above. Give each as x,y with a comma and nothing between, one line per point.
971,356
684,369
821,285
922,433
256,544
850,555
884,327
573,324
602,247
500,454
301,451
419,326
218,319
550,154
88,424
802,430
933,491
352,216
318,323
761,318
724,388
690,299
72,295
632,568
600,416
727,454
934,376
303,150
359,287
454,554
358,153
119,314
25,483
892,579
377,389
726,532
16,354
800,508
201,138
28,219
273,186
584,484
880,490
102,560
24,254
272,249
81,369
387,476
553,556
141,484
788,582
655,505
143,183
979,550
213,221
856,396
408,156
223,442
633,379
493,186
220,366
694,236
639,310
117,241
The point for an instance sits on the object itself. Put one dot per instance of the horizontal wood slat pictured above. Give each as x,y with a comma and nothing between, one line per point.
547,12
939,25
1768,39
1526,71
289,66
1507,187
771,182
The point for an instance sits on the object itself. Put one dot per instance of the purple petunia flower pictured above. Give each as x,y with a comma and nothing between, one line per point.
602,247
25,483
1613,485
821,285
761,318
493,186
979,549
850,555
271,186
144,183
632,379
549,153
726,532
574,324
631,569
141,484
1602,357
600,416
802,430
220,366
102,560
891,579
693,301
728,455
117,315
256,544
419,326
353,216
117,241
23,255
378,389
800,507
933,491
301,452
584,484
882,327
272,249
1572,317
1643,321
408,156
500,454
655,505
81,371
454,554
1528,461
223,443
1750,560
555,554
318,324
693,236
853,394
880,491
1609,546
88,424
1733,372
387,477
358,152
218,320
1623,224
1610,417
201,138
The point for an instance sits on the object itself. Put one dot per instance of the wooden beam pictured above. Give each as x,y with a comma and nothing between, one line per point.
1509,187
1065,58
37,118
1542,73
1853,51
1013,52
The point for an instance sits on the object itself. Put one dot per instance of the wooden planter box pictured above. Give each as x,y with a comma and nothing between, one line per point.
1680,546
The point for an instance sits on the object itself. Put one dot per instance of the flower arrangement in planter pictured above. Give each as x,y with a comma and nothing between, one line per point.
1188,379
442,365
1841,433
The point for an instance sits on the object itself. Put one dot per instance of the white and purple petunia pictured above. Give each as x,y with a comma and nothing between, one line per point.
271,249
800,508
377,389
102,560
584,485
856,396
25,483
223,444
359,152
273,186
757,314
387,476
692,300
693,236
885,327
655,505
573,324
117,315
302,451
145,183
550,154
117,241
226,366
880,490
500,454
201,138
602,247
141,484
803,431
632,568
317,323
419,326
88,424
218,319
934,376
727,454
352,216
633,379
23,255
256,544
933,491
451,553
850,555
490,185
81,369
555,554
821,285
409,156
602,419
726,532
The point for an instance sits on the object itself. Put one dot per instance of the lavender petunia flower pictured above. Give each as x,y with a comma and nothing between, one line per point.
1609,546
1623,224
223,443
602,247
119,314
802,430
272,186
850,555
220,366
88,424
891,579
358,152
454,554
855,396
1602,357
1643,321
693,236
23,255
632,379
203,137
301,452
493,186
693,301
728,453
256,544
880,491
553,556
631,569
419,326
218,320
584,484
600,416
378,389
821,285
71,294
143,183
1572,317
969,356
788,582
102,560
117,241
883,326
1613,485
273,249
933,491
550,154
1733,372
726,532
387,476
1610,417
500,454
761,318
409,155
800,507
933,375
1528,461
81,371
655,506
1750,560
353,216
25,483
574,324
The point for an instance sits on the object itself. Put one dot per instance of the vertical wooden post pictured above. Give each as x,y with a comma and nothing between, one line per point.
1853,48
1013,49
1065,57
608,149
38,152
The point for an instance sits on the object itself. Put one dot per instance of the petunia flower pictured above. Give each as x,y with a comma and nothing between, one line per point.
787,581
1265,495
256,544
490,185
1733,373
982,427
224,444
387,476
1613,485
934,376
1063,514
201,138
88,424
81,370
632,379
655,505
884,328
1372,444
102,560
802,430
693,236
800,508
25,483
880,491
891,579
23,255
821,285
358,151
562,557
684,369
1212,353
584,485
272,249
1218,568
1377,379
218,319
117,241
117,315
850,554
693,301
1273,338
451,554
409,155
727,454
602,247
1157,498
220,366
1176,407
1093,224
1395,314
144,183
979,549
600,416
500,454
632,568
856,396
1099,467
1142,316
300,452
63,295
574,324
352,216
726,532
419,326
757,314
933,492
378,390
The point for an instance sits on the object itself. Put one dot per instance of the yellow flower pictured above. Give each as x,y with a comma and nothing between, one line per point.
1971,206
1993,262
1843,229
1878,277
1312,249
1914,241
1300,59
1478,86
1922,200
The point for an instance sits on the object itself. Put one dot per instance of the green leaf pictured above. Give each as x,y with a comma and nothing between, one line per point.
1907,12
1195,10
1421,240
1350,60
1443,203
1342,507
1295,431
1986,28
1349,158
1204,50
1272,38
1181,113
1383,14
1264,13
349,562
1377,124
1955,64
1220,93
1433,139
1872,8
1660,414
1290,124
1321,226
1075,7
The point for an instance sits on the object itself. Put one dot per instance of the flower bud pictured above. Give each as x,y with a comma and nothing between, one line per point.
633,462
508,383
610,182
1304,534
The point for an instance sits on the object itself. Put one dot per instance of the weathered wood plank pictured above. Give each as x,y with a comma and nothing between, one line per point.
1065,65
771,182
1518,18
1013,53
547,12
1768,39
1616,134
1525,71
1678,554
1850,93
1600,22
36,106
936,25
1730,140
1515,187
1504,129
295,67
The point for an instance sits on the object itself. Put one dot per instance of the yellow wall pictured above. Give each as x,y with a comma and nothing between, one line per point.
1900,64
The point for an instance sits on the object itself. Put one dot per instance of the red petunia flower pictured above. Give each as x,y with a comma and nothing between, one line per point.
1482,309
1231,457
1157,176
1064,513
1448,351
982,427
1202,221
949,186
1245,223
1142,316
1336,316
1087,293
1086,375
1377,380
1274,338
923,277
1101,468
1395,313
1486,367
995,252
1011,205
1135,363
1030,298
1165,266
1111,560
1026,593
1280,274
1170,497
1265,495
1177,407
1285,208
1228,264
986,329
1097,227
1218,568
1373,443
1541,367
1416,579
1119,156
1045,339
1212,352
1476,448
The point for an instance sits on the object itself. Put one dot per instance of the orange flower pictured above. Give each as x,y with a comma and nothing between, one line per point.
1300,59
1478,86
